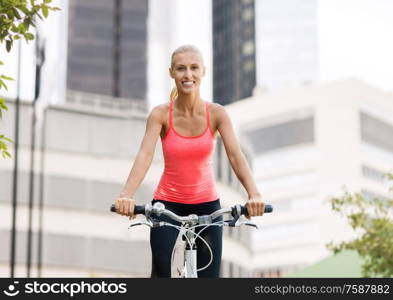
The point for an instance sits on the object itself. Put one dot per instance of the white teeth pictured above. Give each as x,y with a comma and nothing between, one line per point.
188,83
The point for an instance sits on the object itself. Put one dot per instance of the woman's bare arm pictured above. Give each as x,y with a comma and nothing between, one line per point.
145,154
125,202
238,160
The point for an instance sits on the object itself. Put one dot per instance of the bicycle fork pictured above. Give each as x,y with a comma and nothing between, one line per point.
190,256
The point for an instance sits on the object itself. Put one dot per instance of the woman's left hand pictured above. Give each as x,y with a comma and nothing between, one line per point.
255,207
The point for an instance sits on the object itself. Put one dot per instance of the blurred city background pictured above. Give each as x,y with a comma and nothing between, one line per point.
307,83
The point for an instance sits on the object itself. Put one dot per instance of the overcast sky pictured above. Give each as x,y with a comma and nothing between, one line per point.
356,39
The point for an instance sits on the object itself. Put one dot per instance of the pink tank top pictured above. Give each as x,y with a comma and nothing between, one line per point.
188,175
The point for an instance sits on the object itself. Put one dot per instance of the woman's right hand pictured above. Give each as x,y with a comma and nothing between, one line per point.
125,206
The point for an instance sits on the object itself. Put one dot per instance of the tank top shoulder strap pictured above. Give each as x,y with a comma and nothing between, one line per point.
207,114
170,113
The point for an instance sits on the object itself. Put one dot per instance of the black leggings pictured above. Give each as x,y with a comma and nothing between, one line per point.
162,240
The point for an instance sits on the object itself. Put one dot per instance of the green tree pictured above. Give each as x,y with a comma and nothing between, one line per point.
372,219
17,17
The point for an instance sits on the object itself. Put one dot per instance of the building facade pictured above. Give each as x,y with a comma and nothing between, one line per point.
305,146
107,47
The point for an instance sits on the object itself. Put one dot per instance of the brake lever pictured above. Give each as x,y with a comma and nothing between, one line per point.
249,224
152,223
230,223
136,223
239,222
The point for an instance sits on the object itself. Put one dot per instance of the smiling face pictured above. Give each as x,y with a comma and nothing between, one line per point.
187,70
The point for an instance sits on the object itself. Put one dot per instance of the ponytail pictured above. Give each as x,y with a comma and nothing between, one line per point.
173,94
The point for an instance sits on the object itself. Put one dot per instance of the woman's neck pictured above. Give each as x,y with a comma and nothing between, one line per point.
188,103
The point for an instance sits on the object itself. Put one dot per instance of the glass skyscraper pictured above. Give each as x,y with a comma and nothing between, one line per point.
234,71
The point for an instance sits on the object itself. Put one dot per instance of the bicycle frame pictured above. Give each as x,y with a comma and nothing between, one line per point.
190,256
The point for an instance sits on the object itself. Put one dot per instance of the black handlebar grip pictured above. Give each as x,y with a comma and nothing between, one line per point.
268,209
243,210
138,209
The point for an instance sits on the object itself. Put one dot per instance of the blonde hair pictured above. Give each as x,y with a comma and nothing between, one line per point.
173,94
182,49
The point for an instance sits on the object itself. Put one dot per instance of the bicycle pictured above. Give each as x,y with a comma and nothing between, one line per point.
187,229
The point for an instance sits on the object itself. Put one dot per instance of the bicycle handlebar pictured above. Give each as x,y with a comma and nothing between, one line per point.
140,209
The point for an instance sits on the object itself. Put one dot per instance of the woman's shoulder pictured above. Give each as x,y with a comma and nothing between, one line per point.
160,109
159,112
216,109
215,106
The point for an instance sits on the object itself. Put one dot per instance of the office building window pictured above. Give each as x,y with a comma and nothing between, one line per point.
248,48
376,132
281,135
373,174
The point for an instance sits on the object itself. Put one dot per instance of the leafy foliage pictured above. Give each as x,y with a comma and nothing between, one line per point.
17,17
373,221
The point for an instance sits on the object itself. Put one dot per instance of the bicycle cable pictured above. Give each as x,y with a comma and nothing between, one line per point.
197,235
178,228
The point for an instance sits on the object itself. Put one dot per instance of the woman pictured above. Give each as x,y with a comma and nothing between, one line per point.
187,126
